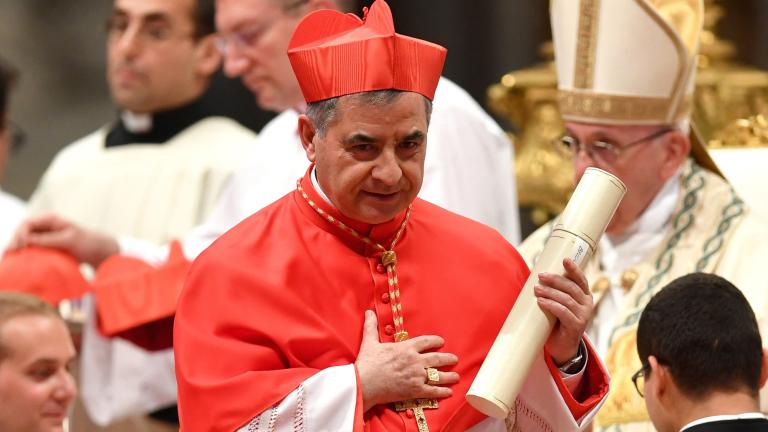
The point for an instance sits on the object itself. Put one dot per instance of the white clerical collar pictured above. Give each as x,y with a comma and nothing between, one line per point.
745,416
316,185
632,246
136,123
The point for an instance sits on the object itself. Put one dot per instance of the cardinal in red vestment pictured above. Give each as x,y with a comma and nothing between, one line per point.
352,305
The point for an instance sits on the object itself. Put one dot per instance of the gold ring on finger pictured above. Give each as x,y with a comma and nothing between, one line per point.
433,376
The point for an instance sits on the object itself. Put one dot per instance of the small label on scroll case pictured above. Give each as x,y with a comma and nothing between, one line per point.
580,251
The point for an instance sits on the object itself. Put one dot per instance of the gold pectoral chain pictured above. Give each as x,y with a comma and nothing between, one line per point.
388,260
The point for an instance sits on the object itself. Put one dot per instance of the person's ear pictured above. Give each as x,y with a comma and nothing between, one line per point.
207,56
307,134
675,150
661,378
764,368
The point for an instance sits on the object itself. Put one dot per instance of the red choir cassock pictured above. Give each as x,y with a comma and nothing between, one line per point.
282,296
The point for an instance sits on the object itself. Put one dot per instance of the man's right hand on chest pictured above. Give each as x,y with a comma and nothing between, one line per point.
391,372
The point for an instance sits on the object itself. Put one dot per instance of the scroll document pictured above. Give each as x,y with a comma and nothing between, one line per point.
527,327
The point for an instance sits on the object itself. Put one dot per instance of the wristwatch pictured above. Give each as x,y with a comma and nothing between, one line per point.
575,364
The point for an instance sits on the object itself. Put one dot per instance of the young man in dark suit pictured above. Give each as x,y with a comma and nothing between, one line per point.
703,362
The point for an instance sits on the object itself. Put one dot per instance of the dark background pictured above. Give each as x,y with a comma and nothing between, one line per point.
59,47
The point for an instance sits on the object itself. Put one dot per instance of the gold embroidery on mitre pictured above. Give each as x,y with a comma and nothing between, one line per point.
623,405
604,108
586,44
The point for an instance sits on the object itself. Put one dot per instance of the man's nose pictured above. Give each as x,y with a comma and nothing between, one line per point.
129,42
387,169
66,389
235,61
582,160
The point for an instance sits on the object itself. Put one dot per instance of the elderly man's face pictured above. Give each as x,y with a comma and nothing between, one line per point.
154,62
370,162
642,167
36,387
256,35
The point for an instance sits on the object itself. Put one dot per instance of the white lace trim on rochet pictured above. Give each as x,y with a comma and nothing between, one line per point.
326,403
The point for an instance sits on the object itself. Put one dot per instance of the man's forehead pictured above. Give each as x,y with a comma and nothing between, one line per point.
29,338
232,15
171,9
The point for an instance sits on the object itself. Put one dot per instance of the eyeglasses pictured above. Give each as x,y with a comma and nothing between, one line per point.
638,379
250,37
149,32
601,150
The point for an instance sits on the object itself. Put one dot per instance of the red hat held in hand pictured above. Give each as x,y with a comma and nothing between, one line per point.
49,274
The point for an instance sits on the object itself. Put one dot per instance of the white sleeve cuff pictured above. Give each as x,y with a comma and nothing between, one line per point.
324,402
144,250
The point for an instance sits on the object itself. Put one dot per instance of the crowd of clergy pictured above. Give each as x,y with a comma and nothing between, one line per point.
349,266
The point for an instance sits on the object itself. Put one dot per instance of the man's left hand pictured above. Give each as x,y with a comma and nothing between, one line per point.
568,299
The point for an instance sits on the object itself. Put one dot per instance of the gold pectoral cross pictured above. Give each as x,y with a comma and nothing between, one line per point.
418,406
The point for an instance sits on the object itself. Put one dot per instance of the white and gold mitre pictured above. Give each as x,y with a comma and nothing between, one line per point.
626,61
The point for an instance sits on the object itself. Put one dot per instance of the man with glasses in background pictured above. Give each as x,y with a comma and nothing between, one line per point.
702,358
626,77
154,173
11,208
469,172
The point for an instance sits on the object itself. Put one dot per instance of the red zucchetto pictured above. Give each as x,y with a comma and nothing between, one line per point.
335,54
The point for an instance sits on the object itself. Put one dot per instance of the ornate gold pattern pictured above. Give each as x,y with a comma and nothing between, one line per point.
623,405
628,279
601,285
401,336
748,132
433,376
586,43
416,403
389,258
613,108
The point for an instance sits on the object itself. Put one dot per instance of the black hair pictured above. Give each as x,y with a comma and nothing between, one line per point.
8,76
204,18
702,328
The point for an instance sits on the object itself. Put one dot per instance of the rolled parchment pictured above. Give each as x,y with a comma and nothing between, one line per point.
527,327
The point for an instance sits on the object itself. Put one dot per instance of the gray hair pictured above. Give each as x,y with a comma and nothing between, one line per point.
322,113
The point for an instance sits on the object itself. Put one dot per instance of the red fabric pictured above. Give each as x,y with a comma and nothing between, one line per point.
283,294
593,387
335,54
49,274
131,293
